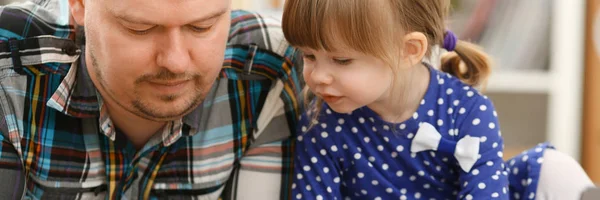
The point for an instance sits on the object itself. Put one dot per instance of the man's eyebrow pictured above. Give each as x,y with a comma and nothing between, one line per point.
136,20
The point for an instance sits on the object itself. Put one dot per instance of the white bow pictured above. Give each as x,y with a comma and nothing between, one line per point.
466,150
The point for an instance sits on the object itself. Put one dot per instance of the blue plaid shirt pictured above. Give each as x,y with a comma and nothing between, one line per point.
56,145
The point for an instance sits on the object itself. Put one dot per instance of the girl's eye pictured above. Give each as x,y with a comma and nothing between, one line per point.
340,61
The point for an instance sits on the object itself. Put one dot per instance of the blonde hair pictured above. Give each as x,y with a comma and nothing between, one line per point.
373,27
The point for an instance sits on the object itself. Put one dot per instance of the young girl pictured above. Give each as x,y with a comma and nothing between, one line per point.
386,125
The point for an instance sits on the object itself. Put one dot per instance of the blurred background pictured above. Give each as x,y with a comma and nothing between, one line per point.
546,53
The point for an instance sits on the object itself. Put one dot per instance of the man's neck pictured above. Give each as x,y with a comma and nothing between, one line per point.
138,130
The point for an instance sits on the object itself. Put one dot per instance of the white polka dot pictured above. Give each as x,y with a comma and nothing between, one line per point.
540,160
313,140
308,188
450,111
326,170
539,149
389,190
426,186
318,178
399,173
441,81
438,168
402,126
356,156
475,172
328,111
334,148
319,197
377,198
525,158
495,177
416,115
345,146
306,168
504,190
410,135
300,138
299,196
371,119
367,139
517,196
422,101
466,88
531,195
324,134
363,192
515,171
495,114
360,175
462,111
323,152
374,129
413,178
469,197
500,154
399,148
430,113
440,122
354,130
426,163
358,149
451,132
293,186
483,107
403,197
445,159
336,180
449,91
341,121
492,125
476,121
417,195
481,186
372,159
489,163
299,176
329,190
421,173
394,154
403,191
385,166
361,120
375,182
338,129
304,128
386,139
456,102
324,125
386,127
495,145
470,93
483,139
440,101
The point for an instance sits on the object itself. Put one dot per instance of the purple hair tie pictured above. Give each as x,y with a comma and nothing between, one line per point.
450,40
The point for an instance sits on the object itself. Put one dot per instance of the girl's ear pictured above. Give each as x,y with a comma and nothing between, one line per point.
415,47
78,11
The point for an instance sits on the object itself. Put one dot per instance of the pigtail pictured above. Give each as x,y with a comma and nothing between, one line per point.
468,63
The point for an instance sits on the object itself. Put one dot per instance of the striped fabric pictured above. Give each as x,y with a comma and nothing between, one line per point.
58,142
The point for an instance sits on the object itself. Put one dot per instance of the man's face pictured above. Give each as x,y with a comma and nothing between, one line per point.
155,58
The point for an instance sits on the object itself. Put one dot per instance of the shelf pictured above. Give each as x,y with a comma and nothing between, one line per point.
519,81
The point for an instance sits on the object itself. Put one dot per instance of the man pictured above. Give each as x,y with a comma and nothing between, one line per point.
156,99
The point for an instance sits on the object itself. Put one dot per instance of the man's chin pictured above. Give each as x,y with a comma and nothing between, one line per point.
164,110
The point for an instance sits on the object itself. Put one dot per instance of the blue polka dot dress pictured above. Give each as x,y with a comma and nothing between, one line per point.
450,149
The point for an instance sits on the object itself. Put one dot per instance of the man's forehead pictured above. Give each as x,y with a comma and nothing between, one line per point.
166,12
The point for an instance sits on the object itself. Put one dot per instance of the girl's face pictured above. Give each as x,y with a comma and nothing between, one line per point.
346,79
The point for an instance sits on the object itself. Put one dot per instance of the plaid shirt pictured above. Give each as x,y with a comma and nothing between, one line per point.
58,142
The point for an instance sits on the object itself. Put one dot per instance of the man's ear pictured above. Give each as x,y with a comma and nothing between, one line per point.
78,11
415,47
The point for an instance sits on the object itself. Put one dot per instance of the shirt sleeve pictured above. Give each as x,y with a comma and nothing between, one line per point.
11,173
487,179
316,168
